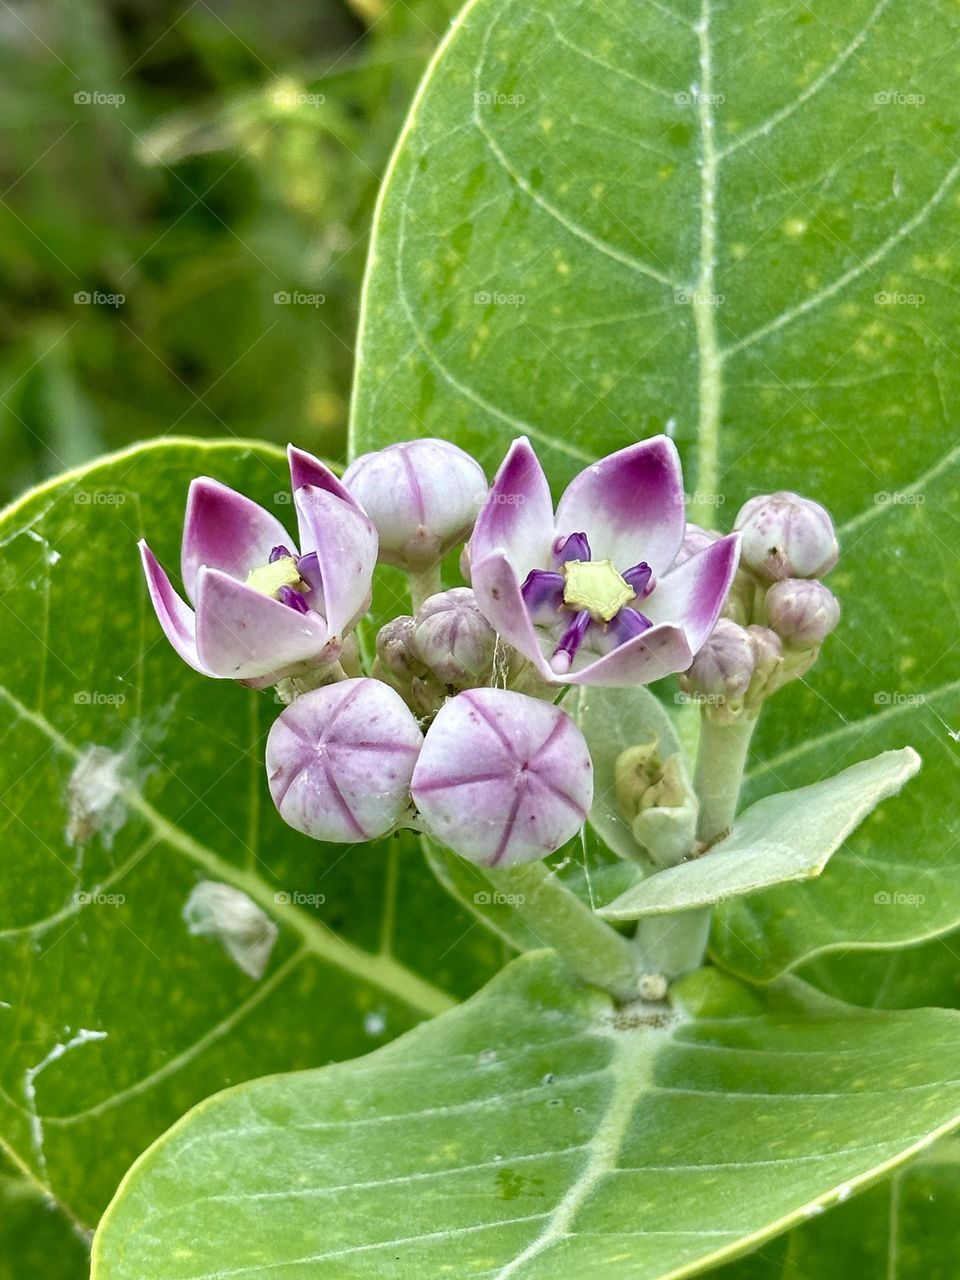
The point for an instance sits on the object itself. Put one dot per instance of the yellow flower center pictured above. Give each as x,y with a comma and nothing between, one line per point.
596,586
269,578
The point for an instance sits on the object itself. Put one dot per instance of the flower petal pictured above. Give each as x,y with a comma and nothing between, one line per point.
243,634
692,595
659,652
177,618
517,517
631,505
345,542
497,590
224,530
306,469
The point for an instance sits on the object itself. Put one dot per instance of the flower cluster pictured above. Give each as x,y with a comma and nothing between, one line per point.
778,612
452,727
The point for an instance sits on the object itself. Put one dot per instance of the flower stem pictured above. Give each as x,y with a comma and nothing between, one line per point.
721,757
673,944
592,949
423,585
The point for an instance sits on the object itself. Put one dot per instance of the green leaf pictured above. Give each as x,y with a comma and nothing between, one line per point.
36,1240
789,836
908,1228
537,1131
624,168
128,779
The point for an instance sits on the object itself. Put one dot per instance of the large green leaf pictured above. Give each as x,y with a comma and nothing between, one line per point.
908,1228
577,189
536,1132
783,837
130,779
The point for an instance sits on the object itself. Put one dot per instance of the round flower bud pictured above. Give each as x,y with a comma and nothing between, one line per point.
502,778
786,536
453,638
724,666
395,652
695,539
340,759
803,613
767,649
423,497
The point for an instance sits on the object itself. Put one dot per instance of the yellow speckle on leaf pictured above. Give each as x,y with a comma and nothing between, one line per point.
795,226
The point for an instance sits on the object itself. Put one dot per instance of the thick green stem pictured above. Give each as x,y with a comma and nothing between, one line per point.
425,584
673,944
721,757
597,953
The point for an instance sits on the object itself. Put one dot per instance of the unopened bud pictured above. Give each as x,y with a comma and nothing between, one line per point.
502,778
724,666
802,612
340,760
396,658
423,497
453,639
695,539
786,536
655,797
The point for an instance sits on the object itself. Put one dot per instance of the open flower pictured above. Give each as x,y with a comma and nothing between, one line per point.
262,609
592,594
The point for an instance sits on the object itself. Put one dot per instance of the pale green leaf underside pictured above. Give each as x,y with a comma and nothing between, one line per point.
155,1017
788,836
907,1228
577,189
535,1133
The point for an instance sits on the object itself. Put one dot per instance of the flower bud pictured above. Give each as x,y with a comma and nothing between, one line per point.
397,662
786,536
452,638
655,797
723,667
803,613
423,497
694,539
340,759
502,778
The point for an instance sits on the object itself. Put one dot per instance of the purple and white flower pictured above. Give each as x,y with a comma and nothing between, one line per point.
340,760
502,778
262,609
594,594
422,495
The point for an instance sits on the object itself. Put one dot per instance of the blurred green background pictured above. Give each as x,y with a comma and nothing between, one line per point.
200,161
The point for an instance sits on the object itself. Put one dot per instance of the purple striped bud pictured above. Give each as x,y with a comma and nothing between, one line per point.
453,639
786,536
502,778
340,759
803,613
723,667
423,497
